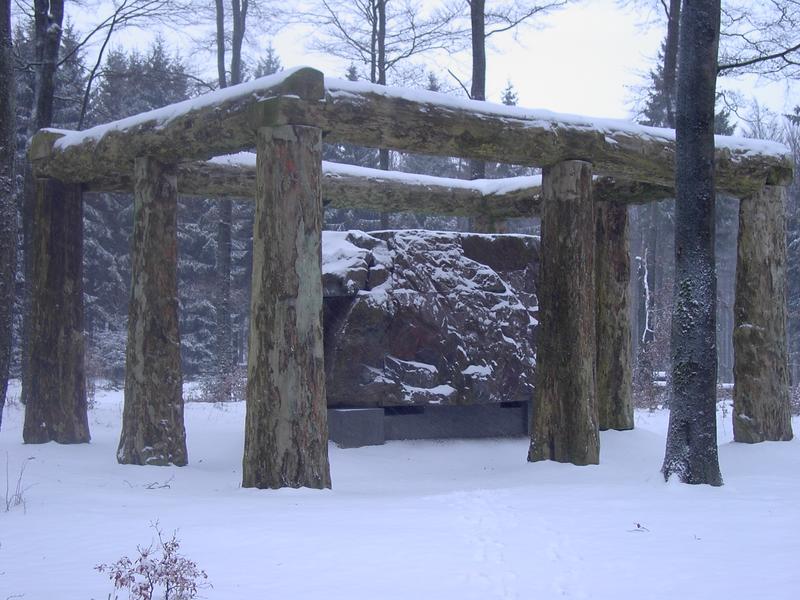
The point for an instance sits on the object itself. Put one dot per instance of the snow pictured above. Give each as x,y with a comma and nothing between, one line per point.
342,88
161,116
479,371
419,519
339,255
540,118
486,187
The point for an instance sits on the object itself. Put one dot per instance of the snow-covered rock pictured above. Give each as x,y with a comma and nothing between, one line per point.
421,317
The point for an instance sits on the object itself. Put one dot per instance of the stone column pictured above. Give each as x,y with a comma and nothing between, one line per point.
152,422
614,402
760,368
56,400
286,432
565,420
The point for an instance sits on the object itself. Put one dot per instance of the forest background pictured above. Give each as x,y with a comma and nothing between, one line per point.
120,58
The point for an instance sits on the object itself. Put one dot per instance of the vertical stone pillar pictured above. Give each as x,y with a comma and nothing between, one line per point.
152,421
565,420
760,369
614,402
56,398
286,432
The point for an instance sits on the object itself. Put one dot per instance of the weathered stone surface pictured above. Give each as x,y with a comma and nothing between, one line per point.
220,122
565,420
453,323
761,392
56,408
614,401
286,433
153,431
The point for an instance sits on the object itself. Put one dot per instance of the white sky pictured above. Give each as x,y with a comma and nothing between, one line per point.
587,59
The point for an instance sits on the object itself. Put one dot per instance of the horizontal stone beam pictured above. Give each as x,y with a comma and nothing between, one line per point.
346,186
388,191
225,121
437,124
220,122
370,189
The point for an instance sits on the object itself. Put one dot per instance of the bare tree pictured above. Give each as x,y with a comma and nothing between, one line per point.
485,22
385,36
125,14
8,212
48,17
691,450
222,298
761,38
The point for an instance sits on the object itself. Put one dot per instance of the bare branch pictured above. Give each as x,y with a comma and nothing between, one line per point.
761,38
461,83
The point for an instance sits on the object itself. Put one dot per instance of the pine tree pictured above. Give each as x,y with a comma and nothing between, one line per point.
130,83
344,219
8,213
68,81
268,64
509,96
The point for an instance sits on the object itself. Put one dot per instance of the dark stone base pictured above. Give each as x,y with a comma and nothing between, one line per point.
356,427
352,428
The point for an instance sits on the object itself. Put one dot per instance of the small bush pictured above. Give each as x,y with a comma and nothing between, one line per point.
231,387
159,572
16,496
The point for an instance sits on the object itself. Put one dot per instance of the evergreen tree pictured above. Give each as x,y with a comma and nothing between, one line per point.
344,219
509,96
68,83
131,83
8,212
268,64
652,231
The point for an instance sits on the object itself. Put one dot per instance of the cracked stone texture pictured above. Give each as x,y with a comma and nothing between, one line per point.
429,318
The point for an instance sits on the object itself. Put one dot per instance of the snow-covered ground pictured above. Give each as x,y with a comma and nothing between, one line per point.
408,520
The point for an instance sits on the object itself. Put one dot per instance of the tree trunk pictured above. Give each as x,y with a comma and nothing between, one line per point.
477,168
477,12
222,308
691,452
239,10
383,153
381,41
565,420
383,157
56,398
8,210
48,18
373,47
222,297
220,15
152,420
615,405
286,432
761,373
651,255
671,59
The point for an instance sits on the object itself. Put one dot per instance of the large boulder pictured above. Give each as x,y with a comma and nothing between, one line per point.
421,317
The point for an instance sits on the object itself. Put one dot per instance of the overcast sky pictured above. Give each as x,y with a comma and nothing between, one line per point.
588,59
